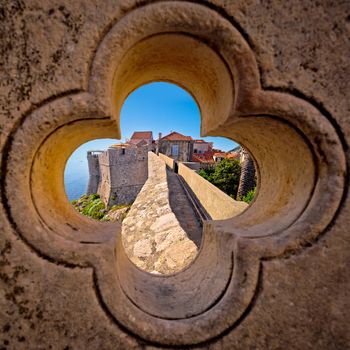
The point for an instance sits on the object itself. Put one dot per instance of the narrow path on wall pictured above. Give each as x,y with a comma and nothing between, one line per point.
161,233
182,208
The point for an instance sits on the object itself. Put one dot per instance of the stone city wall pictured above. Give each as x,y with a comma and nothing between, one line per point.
123,172
170,162
218,204
94,172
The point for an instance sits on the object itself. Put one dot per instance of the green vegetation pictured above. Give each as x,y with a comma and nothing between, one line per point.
224,176
120,206
93,207
249,196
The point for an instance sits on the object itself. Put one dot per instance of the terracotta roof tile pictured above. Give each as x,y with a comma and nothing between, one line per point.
234,155
139,135
206,157
175,136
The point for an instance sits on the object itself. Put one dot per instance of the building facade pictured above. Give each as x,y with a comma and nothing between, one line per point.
142,138
201,146
176,146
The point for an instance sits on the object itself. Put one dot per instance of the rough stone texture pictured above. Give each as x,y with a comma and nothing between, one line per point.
50,299
123,172
154,237
184,149
94,172
118,214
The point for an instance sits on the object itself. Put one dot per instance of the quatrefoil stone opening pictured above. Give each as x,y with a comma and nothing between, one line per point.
298,154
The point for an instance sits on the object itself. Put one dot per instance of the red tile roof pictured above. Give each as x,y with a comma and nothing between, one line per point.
202,141
219,154
140,135
135,141
206,157
234,155
175,136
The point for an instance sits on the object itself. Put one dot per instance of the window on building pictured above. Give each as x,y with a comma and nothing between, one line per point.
175,150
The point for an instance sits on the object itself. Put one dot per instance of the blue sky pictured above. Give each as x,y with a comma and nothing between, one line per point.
164,107
157,107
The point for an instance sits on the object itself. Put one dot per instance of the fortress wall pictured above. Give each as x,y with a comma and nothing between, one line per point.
123,173
170,162
193,165
94,173
218,204
105,177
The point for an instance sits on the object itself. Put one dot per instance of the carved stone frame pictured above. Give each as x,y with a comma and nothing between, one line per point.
298,196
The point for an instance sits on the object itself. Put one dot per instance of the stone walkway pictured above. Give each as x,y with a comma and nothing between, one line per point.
161,233
183,209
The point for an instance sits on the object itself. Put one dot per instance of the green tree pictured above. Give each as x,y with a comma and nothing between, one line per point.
225,176
206,173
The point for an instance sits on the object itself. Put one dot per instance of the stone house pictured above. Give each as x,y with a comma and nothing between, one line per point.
201,146
144,137
219,156
204,159
176,146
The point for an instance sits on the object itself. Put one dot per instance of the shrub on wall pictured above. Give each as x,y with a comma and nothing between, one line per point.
93,207
249,196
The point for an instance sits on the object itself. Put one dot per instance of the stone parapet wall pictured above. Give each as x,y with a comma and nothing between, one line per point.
170,162
193,165
218,204
153,238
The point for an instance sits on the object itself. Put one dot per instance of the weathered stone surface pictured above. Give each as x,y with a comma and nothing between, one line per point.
117,215
57,292
153,237
122,173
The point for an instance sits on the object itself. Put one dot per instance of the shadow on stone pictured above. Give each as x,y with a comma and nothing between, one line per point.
182,208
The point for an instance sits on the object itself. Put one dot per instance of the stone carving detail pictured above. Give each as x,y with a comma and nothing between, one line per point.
218,67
